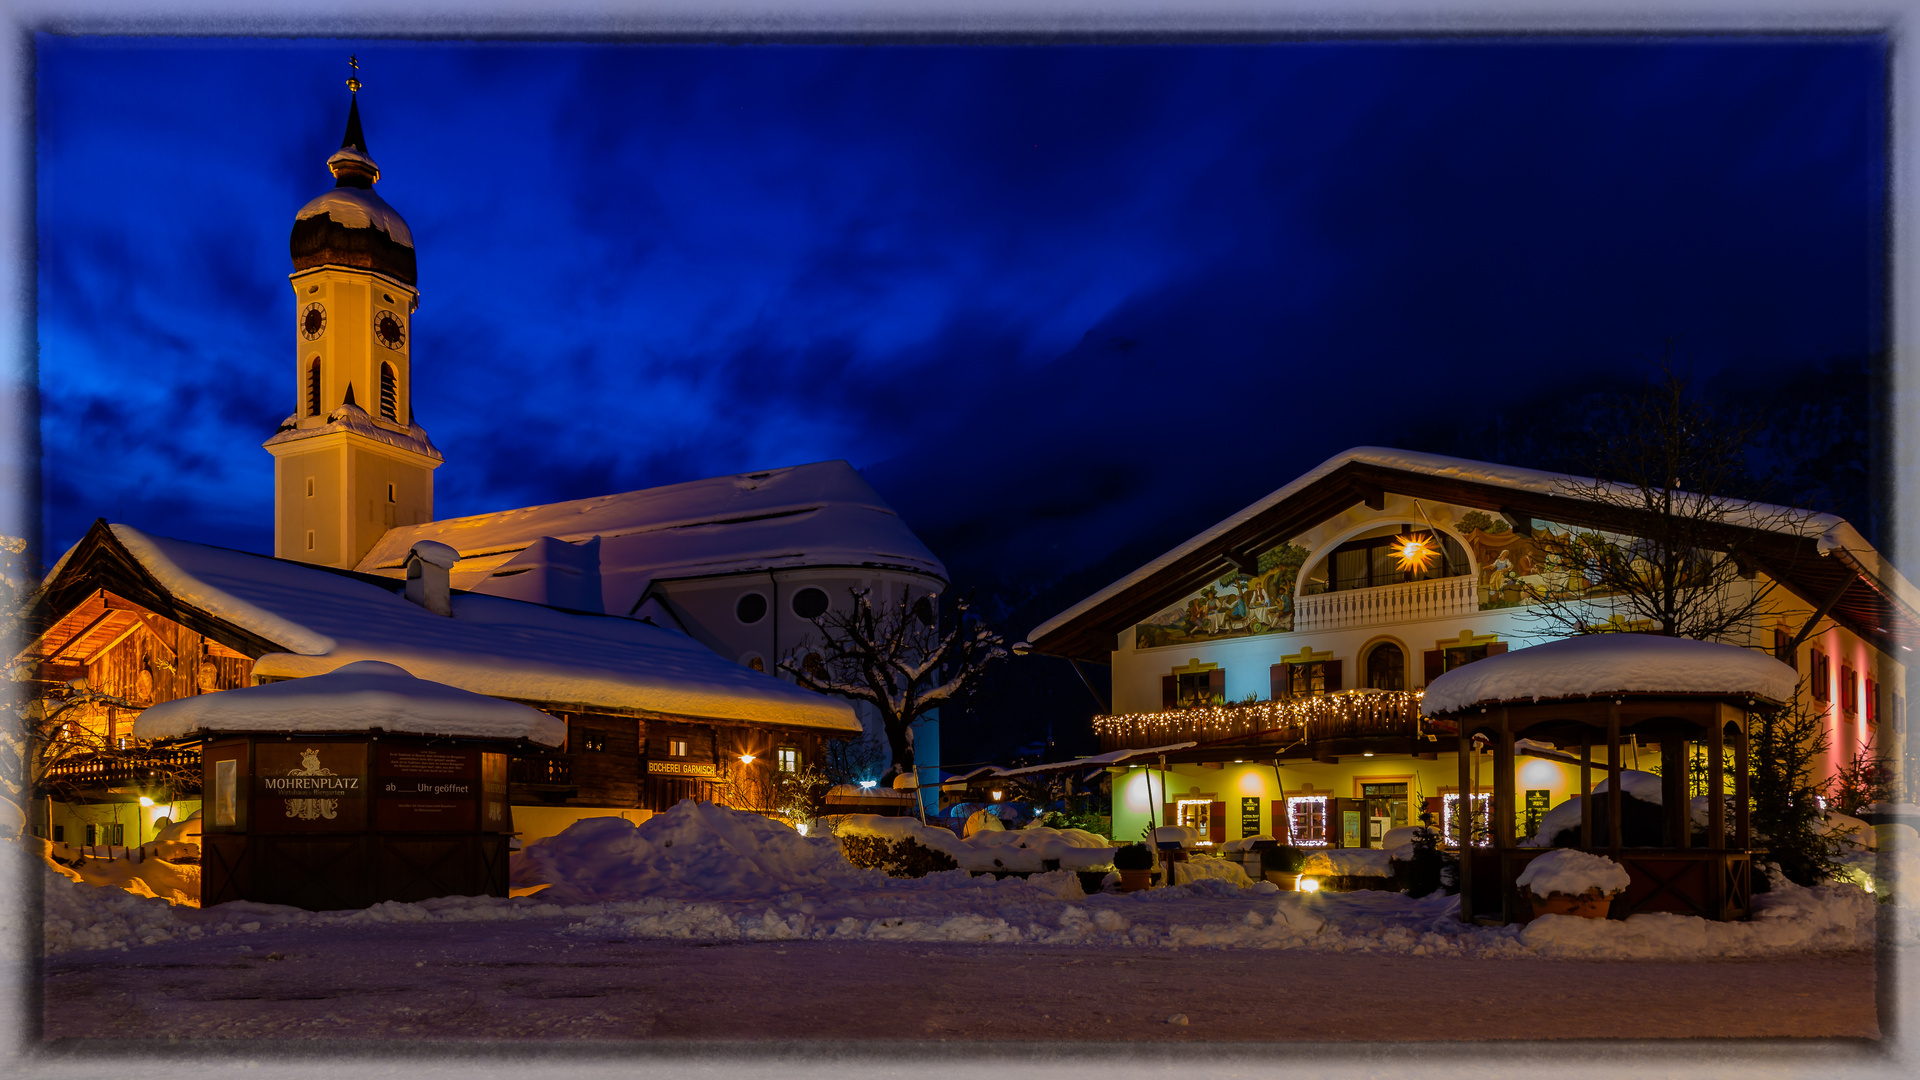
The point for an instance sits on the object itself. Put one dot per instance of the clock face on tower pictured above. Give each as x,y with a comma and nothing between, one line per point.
313,321
388,331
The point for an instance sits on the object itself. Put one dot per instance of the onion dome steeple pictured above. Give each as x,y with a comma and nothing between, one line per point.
350,225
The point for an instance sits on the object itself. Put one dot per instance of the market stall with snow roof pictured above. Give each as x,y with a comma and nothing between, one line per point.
346,789
1565,699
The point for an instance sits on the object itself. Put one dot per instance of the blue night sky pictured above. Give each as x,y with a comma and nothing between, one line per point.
1051,299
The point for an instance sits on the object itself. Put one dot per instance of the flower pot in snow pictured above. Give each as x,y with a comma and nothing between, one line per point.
1592,904
1570,882
1135,880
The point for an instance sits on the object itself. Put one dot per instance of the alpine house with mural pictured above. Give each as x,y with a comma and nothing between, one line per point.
1281,655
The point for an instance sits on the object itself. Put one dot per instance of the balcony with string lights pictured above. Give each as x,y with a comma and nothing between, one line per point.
1341,723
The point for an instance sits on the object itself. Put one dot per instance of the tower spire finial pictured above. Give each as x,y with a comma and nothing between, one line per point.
353,81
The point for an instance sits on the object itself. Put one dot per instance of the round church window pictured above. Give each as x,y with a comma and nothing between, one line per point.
810,603
750,608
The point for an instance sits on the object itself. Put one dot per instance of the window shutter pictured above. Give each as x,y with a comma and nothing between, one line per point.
1495,648
1280,820
1331,668
1169,693
1277,682
1217,822
1432,806
1217,683
1436,664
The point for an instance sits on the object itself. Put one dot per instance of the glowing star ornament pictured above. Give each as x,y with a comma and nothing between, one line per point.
1415,554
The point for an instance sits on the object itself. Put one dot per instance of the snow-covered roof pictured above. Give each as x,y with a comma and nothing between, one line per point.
362,696
1825,526
1111,757
1595,665
823,514
493,646
349,417
358,208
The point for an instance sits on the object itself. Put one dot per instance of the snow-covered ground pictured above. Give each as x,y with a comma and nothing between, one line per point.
703,872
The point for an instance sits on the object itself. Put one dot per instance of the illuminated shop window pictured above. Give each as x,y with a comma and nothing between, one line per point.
1194,814
1308,814
1482,818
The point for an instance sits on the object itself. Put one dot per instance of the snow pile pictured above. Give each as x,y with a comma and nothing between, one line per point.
355,697
1349,862
1599,664
1572,873
983,820
1207,872
1021,850
1184,835
1245,843
694,850
149,876
1399,842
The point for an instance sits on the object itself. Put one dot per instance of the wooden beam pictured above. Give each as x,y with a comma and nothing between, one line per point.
1373,495
131,629
1520,520
1820,613
1246,563
81,636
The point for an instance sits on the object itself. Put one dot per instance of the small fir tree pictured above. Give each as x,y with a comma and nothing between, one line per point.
1783,746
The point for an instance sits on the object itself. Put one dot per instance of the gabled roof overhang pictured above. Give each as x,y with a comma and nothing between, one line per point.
1824,561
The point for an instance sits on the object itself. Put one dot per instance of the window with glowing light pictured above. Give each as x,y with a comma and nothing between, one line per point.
1411,554
1481,826
676,748
1308,815
788,758
1194,814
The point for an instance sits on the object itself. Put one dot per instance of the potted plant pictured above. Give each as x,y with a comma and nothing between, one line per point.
1567,881
1134,862
1282,866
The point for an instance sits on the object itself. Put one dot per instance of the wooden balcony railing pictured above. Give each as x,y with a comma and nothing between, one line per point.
131,769
1349,714
541,771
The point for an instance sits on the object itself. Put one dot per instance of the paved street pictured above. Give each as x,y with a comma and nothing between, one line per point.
526,981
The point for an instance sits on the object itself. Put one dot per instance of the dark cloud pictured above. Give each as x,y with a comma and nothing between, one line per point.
1053,300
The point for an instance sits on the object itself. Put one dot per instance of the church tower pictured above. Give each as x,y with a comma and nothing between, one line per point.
350,463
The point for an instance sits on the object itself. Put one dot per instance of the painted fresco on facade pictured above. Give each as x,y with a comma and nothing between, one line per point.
1556,563
1234,605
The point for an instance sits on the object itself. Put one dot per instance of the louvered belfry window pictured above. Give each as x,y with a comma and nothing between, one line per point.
386,391
313,388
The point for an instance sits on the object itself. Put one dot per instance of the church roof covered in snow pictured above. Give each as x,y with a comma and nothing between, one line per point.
301,620
361,696
823,514
1594,665
1814,555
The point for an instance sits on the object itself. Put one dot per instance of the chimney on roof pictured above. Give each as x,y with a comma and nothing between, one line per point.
428,567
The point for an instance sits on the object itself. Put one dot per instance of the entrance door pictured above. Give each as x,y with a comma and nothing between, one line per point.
1386,808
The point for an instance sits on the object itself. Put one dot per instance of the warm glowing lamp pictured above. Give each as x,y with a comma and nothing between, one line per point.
864,784
1308,884
1415,554
144,801
996,796
746,759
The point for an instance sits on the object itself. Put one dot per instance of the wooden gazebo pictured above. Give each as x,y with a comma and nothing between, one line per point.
1585,693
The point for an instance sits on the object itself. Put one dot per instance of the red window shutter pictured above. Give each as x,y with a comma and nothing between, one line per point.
1433,804
1217,822
1217,683
1495,648
1436,664
1169,693
1279,828
1849,689
1331,668
1277,682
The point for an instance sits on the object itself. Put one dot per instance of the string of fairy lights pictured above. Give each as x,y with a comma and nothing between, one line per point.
1344,710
